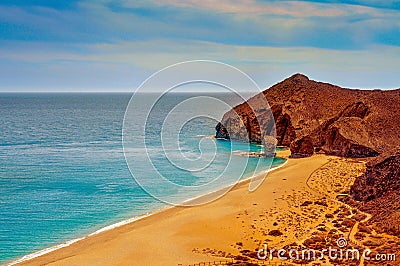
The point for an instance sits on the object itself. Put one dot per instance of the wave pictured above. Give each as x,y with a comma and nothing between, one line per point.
45,251
21,143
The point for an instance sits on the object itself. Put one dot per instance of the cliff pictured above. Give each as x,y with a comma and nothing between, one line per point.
315,117
318,117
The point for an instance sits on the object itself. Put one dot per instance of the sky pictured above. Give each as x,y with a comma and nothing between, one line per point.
114,45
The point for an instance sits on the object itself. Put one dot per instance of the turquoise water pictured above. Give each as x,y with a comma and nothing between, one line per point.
63,173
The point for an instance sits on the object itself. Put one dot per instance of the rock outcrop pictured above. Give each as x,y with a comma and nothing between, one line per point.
377,192
314,117
343,135
378,180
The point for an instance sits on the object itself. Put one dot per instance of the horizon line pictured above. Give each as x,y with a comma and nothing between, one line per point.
158,91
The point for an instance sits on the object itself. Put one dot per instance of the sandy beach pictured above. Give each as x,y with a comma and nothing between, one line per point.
291,201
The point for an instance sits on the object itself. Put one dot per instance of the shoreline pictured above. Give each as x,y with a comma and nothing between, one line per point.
67,243
42,252
181,235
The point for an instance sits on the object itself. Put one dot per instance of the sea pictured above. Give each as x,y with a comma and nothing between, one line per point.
64,171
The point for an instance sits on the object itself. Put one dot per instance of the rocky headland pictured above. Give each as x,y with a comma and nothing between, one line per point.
314,117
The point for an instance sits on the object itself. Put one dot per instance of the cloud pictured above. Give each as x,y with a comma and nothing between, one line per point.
291,8
118,43
389,4
240,22
124,65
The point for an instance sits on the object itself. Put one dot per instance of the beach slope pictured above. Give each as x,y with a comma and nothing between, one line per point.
184,235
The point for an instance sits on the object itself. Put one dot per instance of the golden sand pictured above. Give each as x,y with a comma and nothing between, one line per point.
215,231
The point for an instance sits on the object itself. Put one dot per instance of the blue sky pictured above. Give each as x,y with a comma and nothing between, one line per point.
113,45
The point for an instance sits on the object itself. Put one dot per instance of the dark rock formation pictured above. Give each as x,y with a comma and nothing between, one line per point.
222,133
378,180
302,147
285,132
377,191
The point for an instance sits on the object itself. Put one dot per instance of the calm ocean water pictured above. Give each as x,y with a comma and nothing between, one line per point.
62,168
